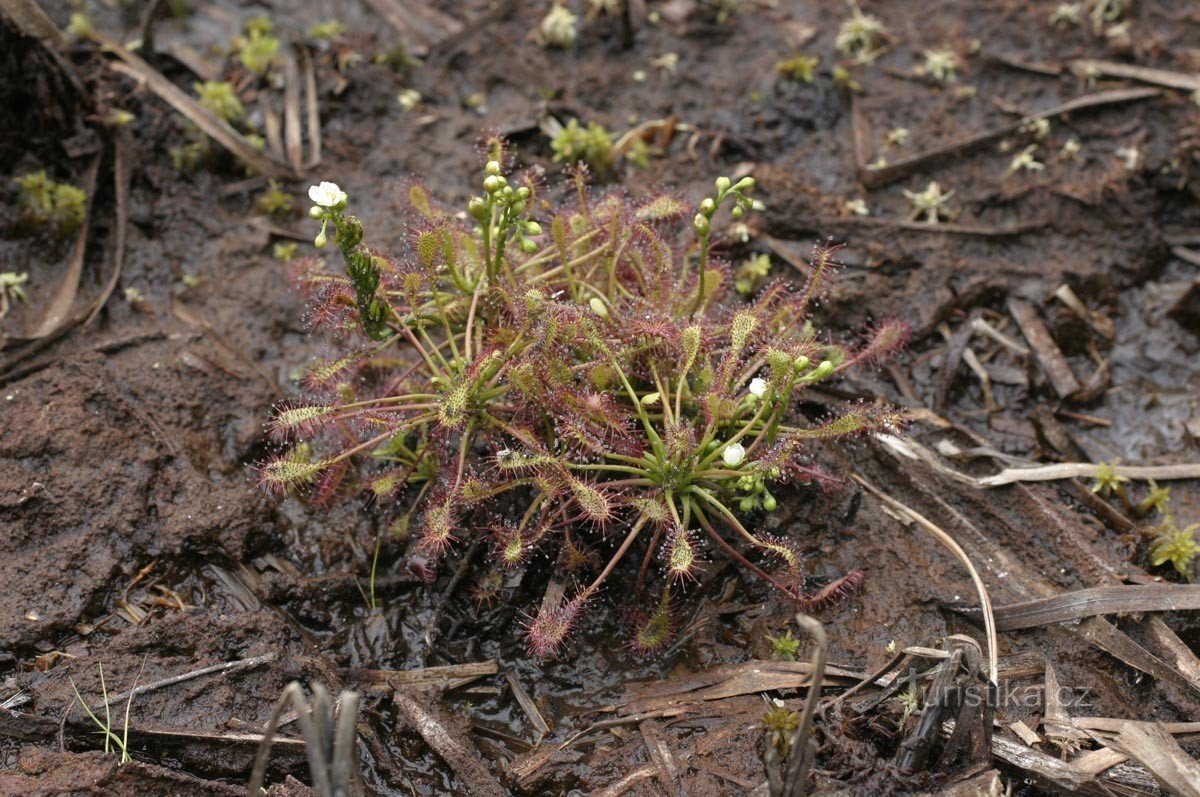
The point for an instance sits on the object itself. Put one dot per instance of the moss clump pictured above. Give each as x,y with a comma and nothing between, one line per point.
60,207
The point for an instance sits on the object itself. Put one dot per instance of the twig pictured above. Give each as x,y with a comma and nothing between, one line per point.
874,178
1075,470
227,667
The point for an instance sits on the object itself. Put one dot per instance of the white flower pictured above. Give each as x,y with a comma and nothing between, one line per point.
758,387
733,454
327,195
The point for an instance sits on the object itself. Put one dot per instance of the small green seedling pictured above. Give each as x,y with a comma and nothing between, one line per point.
219,97
929,203
258,48
275,201
60,207
862,36
11,290
111,739
799,68
558,28
572,143
1175,546
786,647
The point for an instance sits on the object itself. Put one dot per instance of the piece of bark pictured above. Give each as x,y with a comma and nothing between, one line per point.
1048,353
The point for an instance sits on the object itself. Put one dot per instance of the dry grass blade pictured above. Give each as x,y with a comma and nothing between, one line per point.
31,20
313,107
60,306
1094,601
1173,768
122,177
907,513
200,116
1087,68
293,136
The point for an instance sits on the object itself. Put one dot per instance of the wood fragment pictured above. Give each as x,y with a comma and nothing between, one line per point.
461,757
661,756
1174,769
440,678
1186,255
1048,354
528,706
1025,733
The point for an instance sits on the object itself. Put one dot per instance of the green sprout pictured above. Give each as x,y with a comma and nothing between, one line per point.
928,203
330,29
1158,499
557,28
1107,481
111,739
910,701
284,251
799,68
258,49
861,36
219,97
274,201
592,145
11,290
781,722
59,206
785,647
752,274
1175,545
941,65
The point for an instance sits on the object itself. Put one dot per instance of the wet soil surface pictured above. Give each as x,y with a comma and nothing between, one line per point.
131,533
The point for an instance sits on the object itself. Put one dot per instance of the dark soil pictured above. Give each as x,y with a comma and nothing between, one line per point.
132,535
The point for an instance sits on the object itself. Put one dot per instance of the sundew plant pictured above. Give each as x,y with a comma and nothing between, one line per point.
585,384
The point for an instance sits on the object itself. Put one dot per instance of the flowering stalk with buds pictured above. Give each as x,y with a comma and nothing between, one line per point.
580,384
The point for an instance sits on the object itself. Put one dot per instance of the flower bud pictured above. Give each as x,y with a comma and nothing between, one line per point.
769,502
801,362
492,167
477,207
321,239
746,504
722,184
492,183
736,212
708,206
316,212
733,454
528,246
701,224
745,184
598,306
533,228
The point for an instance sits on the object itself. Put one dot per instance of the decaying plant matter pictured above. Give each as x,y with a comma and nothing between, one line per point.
578,384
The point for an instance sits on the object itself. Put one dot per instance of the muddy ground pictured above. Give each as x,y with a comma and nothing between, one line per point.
133,536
